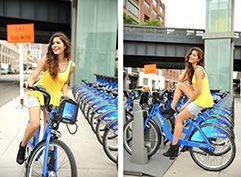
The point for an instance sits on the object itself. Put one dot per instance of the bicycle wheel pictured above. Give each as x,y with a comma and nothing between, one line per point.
65,162
110,144
152,137
224,148
100,128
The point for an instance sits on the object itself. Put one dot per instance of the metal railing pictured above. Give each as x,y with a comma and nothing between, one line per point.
169,31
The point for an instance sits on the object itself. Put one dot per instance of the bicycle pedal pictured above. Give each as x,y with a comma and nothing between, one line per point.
165,142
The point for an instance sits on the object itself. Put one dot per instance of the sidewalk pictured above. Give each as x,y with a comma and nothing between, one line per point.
184,166
89,154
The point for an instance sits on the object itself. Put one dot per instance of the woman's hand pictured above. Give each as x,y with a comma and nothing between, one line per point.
27,84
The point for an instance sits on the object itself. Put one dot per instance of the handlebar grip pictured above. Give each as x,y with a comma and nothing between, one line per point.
30,87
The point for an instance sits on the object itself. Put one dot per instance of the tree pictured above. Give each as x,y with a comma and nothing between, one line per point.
151,22
129,20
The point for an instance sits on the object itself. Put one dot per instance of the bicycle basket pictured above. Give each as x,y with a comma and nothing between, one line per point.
68,111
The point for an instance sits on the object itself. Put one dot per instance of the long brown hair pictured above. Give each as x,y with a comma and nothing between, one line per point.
52,60
188,66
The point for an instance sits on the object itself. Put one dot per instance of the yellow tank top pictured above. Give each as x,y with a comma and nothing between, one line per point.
205,99
53,86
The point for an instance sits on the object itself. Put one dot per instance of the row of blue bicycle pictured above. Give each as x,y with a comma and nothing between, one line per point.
208,136
98,102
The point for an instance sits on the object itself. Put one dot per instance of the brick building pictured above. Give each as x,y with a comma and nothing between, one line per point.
142,10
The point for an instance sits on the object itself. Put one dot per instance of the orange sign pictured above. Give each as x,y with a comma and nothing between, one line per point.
150,69
20,33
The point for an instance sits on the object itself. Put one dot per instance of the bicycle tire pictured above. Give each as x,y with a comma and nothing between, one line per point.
154,143
38,150
196,153
111,152
100,125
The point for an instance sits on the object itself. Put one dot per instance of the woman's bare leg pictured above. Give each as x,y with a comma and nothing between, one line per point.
34,122
180,89
180,118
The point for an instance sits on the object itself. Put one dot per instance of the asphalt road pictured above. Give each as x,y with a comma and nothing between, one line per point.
9,88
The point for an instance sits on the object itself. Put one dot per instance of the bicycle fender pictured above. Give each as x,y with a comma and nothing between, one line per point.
210,131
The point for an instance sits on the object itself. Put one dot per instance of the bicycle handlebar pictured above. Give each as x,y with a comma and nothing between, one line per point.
46,94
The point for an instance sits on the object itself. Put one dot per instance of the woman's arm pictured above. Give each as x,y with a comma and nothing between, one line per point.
37,71
65,86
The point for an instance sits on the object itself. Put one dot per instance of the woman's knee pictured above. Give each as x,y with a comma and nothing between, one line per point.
34,125
180,85
179,120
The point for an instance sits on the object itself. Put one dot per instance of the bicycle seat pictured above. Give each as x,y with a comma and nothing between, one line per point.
215,90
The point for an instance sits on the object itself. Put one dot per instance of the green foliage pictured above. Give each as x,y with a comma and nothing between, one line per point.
129,20
151,22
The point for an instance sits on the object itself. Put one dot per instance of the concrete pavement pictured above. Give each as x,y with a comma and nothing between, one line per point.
184,166
91,160
90,157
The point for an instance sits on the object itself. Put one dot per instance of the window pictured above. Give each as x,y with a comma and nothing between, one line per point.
154,14
153,84
154,3
146,17
145,81
147,6
133,9
161,10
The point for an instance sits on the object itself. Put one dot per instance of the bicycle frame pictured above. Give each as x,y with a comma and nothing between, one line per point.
46,137
187,131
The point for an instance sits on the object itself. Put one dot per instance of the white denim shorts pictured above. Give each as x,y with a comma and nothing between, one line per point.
33,101
193,108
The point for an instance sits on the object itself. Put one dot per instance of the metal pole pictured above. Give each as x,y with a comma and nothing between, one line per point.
21,75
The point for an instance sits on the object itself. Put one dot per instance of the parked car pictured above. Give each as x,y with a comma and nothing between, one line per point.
3,71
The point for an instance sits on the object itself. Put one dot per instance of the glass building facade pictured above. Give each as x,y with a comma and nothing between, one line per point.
218,43
94,38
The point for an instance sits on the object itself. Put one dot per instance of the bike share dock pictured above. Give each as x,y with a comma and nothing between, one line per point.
90,158
184,166
138,163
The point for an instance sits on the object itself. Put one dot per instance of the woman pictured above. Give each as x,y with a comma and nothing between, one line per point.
197,91
57,69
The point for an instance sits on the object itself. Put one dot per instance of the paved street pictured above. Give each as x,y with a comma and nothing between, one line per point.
9,87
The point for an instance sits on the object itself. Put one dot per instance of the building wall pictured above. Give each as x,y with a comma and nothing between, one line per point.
152,9
9,54
131,8
153,81
148,9
171,77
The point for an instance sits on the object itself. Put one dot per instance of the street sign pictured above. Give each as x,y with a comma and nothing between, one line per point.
17,33
150,69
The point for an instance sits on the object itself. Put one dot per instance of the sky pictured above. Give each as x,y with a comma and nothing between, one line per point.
191,14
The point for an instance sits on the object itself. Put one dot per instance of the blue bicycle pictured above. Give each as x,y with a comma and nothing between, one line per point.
51,157
211,146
